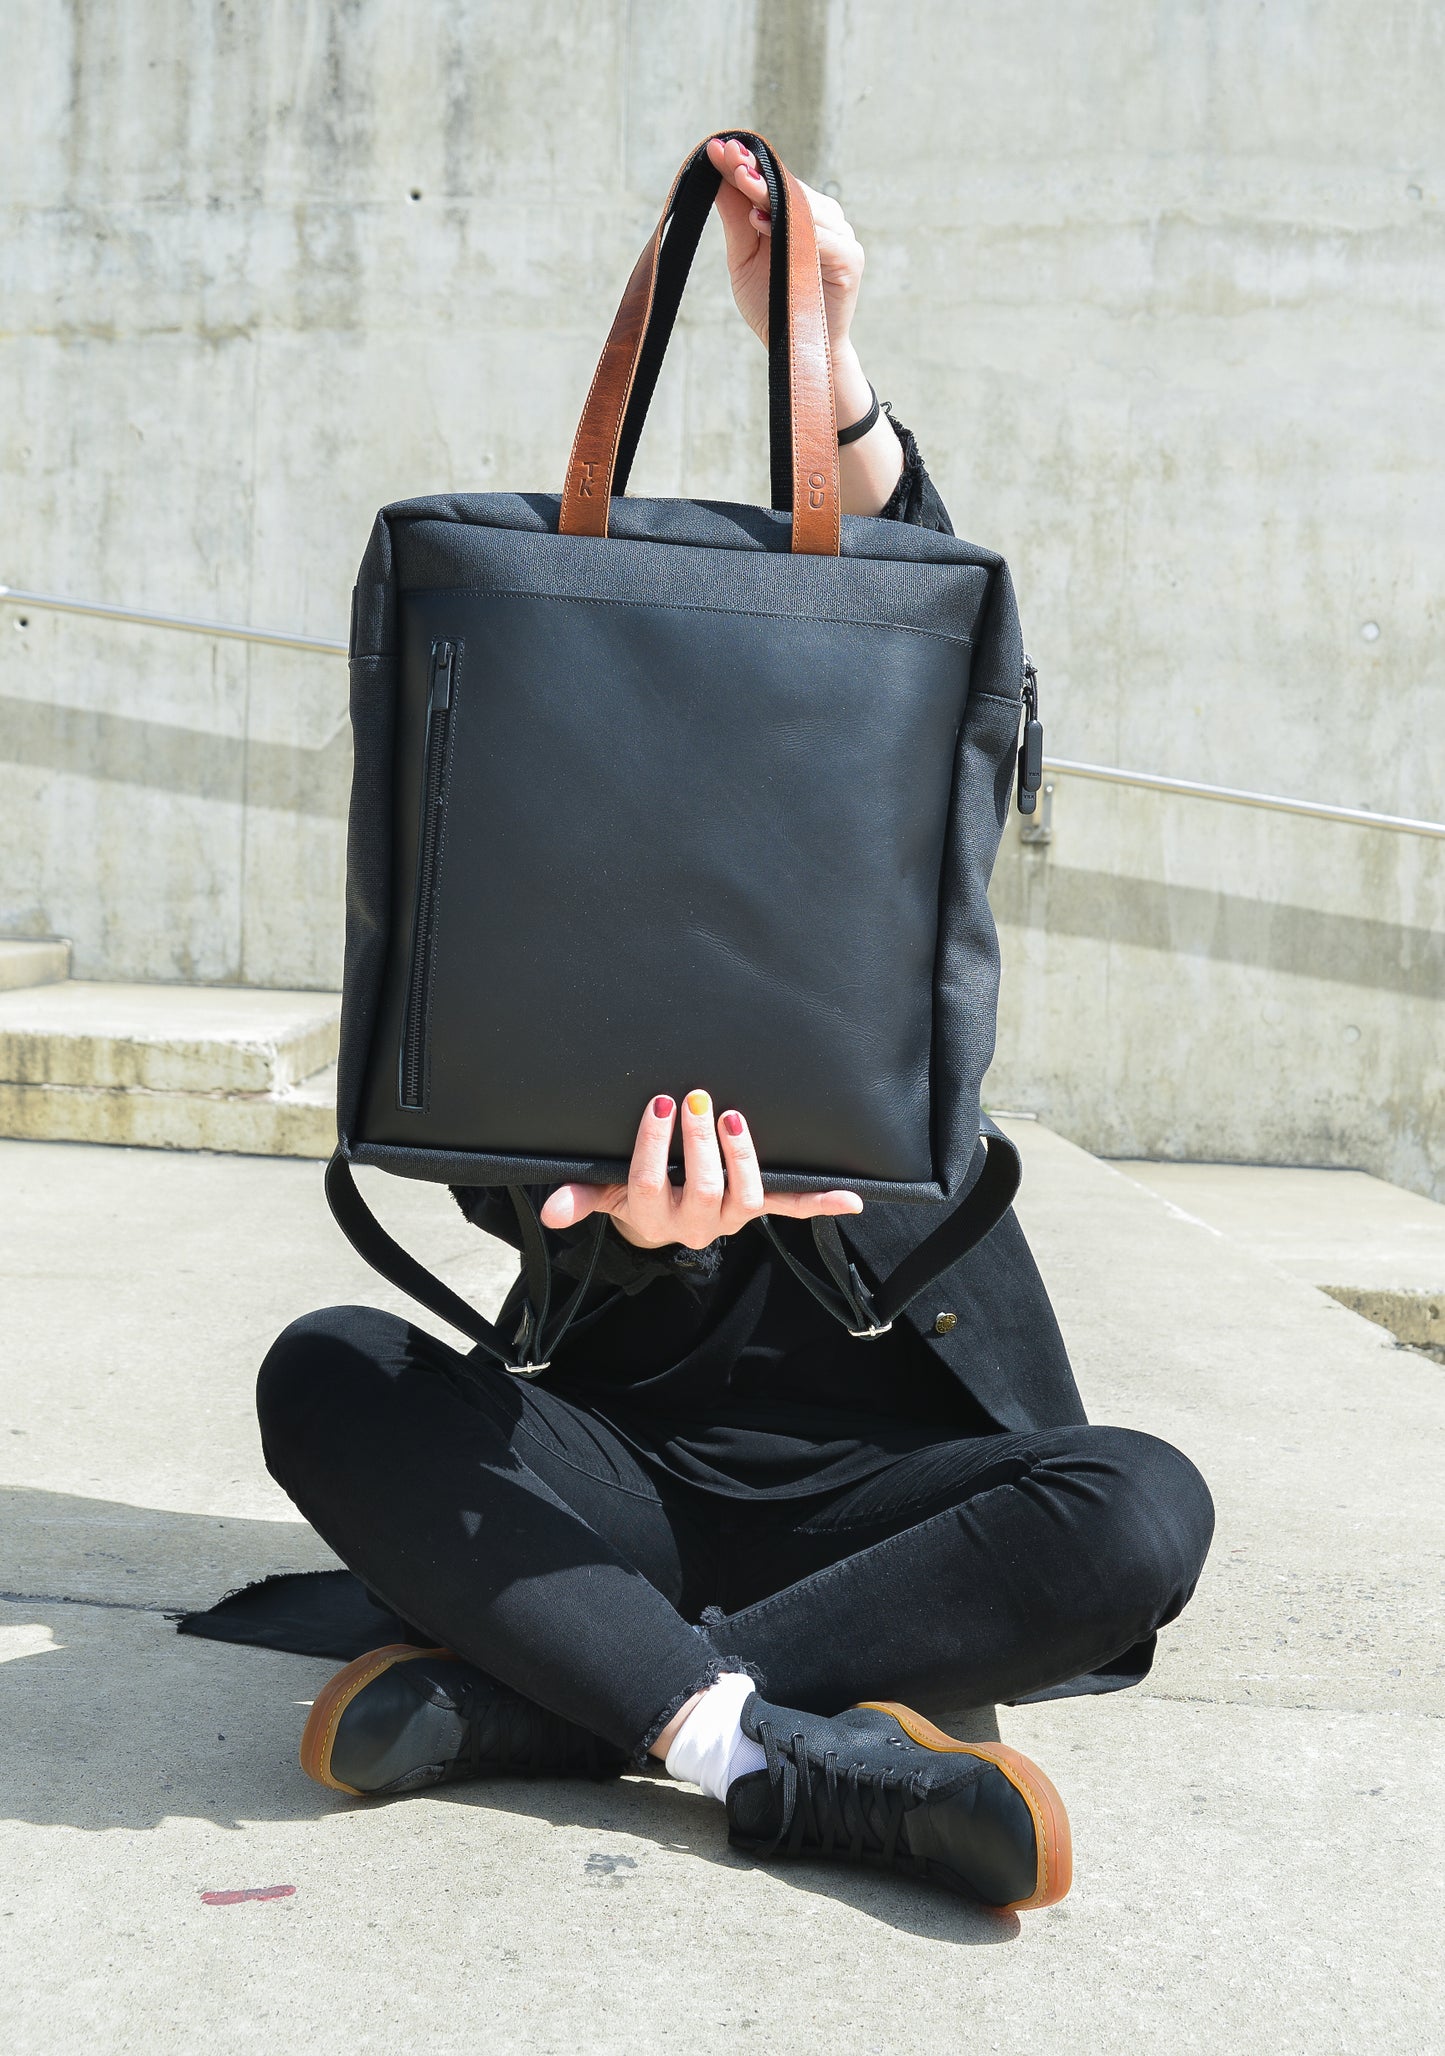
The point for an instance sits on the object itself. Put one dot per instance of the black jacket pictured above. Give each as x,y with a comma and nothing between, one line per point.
1003,1344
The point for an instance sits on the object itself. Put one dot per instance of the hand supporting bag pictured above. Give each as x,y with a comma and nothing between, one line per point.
656,793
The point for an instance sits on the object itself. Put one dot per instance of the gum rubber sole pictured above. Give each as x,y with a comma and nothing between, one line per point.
1051,1822
332,1701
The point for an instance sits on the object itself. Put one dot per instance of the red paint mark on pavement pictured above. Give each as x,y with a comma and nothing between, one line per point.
251,1892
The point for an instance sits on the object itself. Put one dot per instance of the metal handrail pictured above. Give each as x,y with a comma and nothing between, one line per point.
1319,810
1107,774
11,596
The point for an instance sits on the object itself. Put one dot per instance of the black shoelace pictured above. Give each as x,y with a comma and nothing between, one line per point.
521,1736
821,1809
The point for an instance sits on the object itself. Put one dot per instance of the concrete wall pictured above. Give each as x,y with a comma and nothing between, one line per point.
1160,285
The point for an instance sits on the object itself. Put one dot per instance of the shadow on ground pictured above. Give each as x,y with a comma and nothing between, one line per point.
106,1552
127,1725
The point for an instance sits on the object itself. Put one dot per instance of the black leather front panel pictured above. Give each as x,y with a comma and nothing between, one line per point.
685,843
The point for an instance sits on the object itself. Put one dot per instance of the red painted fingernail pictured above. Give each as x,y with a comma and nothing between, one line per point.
733,1124
662,1107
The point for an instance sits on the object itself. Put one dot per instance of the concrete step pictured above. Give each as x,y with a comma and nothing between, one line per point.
25,963
226,1068
1377,1249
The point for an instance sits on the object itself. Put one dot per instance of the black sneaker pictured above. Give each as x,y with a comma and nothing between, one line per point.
402,1718
881,1785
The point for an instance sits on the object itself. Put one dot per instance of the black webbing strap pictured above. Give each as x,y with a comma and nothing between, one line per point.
847,1298
536,1258
535,1341
387,1257
690,209
987,1201
866,1311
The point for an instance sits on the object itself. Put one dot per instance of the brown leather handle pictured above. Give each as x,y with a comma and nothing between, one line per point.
593,471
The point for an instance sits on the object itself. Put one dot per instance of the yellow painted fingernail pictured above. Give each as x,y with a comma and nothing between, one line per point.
697,1102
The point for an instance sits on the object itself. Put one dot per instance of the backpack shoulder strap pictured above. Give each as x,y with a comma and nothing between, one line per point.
387,1257
866,1311
981,1209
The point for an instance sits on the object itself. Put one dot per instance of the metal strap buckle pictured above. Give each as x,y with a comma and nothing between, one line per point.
527,1370
867,1334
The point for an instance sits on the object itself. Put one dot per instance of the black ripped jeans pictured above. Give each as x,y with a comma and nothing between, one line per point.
514,1527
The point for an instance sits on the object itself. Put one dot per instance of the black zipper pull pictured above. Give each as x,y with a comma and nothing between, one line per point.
1031,749
441,677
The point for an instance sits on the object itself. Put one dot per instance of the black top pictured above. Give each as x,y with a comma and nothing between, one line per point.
728,1374
731,1376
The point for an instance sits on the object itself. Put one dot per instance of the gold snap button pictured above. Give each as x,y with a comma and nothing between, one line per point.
945,1324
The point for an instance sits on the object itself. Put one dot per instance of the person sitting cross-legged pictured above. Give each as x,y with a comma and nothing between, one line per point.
719,1530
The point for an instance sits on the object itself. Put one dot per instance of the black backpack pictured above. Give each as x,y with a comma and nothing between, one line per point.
656,792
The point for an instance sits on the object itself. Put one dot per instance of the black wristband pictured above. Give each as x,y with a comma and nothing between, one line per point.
860,428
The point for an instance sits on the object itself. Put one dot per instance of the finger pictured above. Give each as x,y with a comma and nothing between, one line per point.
807,1206
697,1219
840,254
650,1199
742,181
570,1204
740,232
826,211
740,168
744,1200
754,189
739,229
837,241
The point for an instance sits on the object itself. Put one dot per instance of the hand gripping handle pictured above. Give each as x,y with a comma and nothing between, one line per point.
803,421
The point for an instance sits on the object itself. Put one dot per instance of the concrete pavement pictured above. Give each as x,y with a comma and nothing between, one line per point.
1256,1843
1376,1249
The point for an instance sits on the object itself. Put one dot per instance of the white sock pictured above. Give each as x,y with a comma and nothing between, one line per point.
710,1748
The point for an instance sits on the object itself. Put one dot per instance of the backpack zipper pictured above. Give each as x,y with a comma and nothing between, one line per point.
1031,748
411,1070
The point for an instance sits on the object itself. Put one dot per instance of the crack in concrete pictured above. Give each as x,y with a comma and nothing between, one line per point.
112,1605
